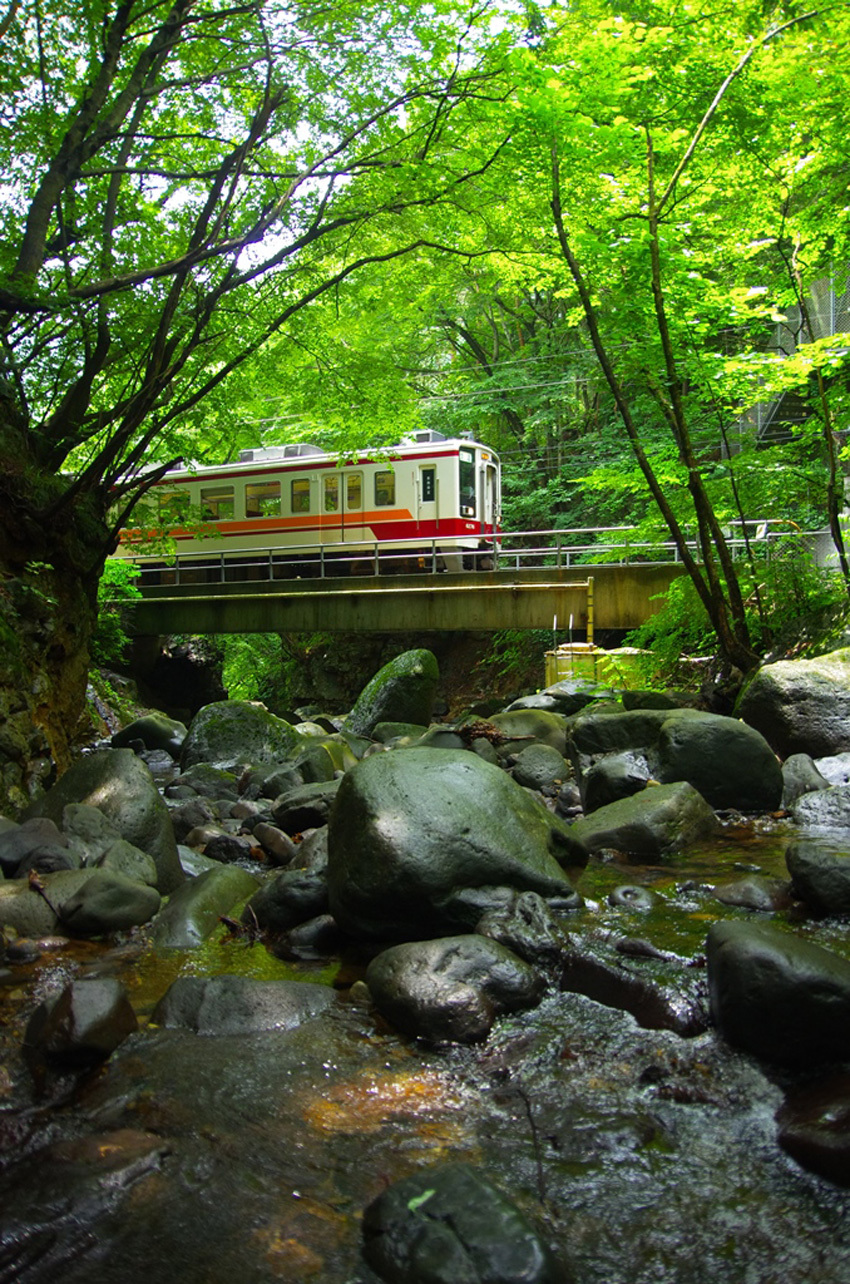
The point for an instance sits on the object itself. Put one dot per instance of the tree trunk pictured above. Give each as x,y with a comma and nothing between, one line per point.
49,573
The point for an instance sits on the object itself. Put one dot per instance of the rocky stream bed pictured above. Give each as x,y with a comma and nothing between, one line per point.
367,1001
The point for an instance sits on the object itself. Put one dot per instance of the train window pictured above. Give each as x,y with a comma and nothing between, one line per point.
216,503
354,491
173,506
467,483
384,488
429,485
262,499
300,494
330,489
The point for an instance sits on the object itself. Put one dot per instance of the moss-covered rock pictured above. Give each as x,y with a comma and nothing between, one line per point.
402,691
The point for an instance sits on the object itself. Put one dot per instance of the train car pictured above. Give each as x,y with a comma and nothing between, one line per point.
430,502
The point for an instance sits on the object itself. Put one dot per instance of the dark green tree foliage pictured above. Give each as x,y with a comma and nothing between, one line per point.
181,180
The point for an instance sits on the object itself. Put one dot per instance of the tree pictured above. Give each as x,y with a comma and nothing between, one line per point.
181,180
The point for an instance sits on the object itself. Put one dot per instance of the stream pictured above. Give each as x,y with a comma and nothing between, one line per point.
641,1157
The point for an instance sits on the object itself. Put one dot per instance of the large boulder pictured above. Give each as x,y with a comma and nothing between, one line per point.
122,787
412,826
801,706
730,763
231,732
402,691
451,988
156,731
449,1225
652,824
777,996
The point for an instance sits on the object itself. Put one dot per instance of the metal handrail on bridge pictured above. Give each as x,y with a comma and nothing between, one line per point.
556,549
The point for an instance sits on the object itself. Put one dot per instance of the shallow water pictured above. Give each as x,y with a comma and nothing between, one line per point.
641,1157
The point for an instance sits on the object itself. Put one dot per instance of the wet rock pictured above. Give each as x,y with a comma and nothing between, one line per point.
190,815
107,902
597,731
653,824
228,848
318,938
232,732
540,766
275,842
385,732
639,900
120,785
291,897
820,873
449,1225
305,808
411,827
402,691
312,852
193,911
655,990
128,861
47,859
571,695
801,706
827,809
755,892
814,1128
526,925
776,996
206,781
452,988
800,776
227,1004
156,731
82,1025
655,700
617,775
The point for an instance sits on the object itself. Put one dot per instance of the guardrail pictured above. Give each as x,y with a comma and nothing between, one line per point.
560,549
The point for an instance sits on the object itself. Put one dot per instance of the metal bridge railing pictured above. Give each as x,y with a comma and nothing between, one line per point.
558,549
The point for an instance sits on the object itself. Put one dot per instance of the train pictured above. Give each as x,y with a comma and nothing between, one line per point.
431,502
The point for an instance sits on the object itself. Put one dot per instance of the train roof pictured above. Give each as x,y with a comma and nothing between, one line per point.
306,453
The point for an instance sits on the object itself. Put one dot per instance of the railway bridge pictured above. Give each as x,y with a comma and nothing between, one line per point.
541,580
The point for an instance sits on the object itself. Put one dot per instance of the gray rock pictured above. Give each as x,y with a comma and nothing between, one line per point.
835,770
89,831
452,988
120,785
277,844
823,810
801,706
449,1225
535,724
189,815
820,873
800,775
614,776
402,691
778,997
639,900
411,827
728,762
156,731
540,766
755,892
229,848
653,824
193,912
232,732
307,807
226,1004
129,861
206,781
291,897
82,1025
107,902
18,841
527,926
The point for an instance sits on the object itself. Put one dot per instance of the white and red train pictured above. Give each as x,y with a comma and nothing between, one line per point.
429,501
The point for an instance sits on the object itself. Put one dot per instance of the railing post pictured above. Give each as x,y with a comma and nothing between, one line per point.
377,558
321,561
433,557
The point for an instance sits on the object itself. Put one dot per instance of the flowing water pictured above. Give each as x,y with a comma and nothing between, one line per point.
641,1157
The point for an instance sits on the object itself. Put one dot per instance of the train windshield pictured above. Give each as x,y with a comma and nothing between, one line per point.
467,483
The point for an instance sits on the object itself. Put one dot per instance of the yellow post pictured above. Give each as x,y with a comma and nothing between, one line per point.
590,610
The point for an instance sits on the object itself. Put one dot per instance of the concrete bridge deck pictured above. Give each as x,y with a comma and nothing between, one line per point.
620,597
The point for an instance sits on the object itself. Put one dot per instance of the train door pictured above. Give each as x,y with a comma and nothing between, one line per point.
490,496
427,504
